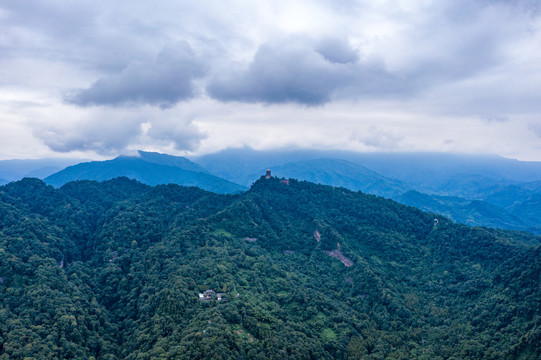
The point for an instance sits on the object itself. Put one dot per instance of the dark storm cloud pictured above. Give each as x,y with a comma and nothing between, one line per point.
298,69
164,82
294,69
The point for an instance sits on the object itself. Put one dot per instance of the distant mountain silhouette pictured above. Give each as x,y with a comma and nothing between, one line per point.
170,160
16,169
341,173
148,168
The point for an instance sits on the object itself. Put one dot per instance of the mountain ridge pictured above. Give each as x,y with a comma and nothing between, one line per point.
437,175
149,168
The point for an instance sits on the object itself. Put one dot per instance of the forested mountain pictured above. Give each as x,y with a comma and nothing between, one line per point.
148,168
120,270
471,189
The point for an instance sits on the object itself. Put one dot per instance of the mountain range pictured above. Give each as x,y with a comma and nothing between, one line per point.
475,190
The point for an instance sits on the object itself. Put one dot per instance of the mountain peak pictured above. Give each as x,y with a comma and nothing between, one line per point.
149,168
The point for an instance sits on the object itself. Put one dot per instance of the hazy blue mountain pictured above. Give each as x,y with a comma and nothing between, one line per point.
12,170
482,213
170,160
439,170
529,209
437,204
512,195
148,172
342,173
244,165
436,173
473,213
471,186
3,181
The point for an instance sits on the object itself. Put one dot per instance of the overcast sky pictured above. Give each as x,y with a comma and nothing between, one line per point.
99,78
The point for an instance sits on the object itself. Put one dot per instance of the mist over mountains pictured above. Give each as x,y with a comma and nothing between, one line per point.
13,170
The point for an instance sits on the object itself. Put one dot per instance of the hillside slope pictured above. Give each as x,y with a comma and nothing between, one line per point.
120,270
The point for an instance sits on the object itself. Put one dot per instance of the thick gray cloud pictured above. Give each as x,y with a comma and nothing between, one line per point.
337,50
441,44
297,69
164,82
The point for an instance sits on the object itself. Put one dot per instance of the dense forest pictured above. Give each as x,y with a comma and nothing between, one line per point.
285,270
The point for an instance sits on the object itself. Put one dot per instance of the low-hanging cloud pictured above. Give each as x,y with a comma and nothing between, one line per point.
377,139
172,132
105,136
164,82
109,131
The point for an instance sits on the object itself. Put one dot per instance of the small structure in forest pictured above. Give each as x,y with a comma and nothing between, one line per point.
268,174
285,181
210,295
250,239
207,295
